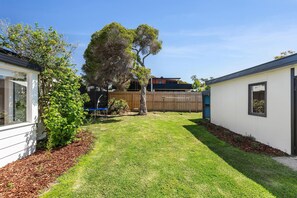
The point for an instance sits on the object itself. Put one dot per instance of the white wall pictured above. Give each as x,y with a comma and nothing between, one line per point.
19,140
16,141
229,108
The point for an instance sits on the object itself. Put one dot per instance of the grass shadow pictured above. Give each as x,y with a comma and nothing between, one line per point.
102,120
281,181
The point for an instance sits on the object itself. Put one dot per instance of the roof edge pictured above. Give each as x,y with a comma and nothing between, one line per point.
274,64
11,58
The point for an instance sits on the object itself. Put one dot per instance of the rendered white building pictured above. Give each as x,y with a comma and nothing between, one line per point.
18,107
259,101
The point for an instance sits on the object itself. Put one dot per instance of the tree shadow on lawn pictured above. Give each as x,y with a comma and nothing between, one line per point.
102,120
278,179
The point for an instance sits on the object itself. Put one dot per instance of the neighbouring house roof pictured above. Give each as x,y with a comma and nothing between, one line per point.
11,58
172,86
288,60
166,78
157,78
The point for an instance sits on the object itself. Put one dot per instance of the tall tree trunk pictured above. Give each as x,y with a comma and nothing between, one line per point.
143,108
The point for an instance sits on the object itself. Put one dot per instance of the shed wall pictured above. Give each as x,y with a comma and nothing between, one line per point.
229,108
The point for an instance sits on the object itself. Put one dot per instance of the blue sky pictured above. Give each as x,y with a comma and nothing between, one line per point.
205,38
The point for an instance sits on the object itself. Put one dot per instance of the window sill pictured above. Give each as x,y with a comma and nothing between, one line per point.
18,125
259,115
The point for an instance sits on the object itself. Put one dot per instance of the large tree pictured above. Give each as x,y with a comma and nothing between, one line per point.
146,42
116,53
60,102
109,57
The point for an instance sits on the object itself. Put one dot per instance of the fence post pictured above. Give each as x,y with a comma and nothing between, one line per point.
153,96
196,102
174,102
163,97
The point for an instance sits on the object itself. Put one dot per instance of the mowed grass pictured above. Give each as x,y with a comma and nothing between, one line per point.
168,155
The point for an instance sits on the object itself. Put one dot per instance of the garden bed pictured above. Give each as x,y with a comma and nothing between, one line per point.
28,176
246,143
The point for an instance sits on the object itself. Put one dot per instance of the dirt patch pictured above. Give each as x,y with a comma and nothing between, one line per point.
246,143
28,176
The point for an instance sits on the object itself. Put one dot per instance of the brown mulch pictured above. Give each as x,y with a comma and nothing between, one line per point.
245,143
28,176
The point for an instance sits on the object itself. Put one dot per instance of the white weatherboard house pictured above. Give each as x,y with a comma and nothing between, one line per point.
18,107
260,101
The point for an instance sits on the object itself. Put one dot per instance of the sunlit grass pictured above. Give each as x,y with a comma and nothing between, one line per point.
167,155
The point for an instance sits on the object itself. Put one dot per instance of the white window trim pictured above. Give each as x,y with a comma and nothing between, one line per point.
29,102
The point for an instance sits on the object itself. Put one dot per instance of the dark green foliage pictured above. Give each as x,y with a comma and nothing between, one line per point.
143,74
109,57
238,138
64,114
117,106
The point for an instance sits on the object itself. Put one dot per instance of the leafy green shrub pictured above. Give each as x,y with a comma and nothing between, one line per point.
64,114
116,106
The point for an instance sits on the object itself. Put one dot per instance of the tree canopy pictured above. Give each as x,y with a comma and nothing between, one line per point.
116,54
109,57
200,84
145,43
60,102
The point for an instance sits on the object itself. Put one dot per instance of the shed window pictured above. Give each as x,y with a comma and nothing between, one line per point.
258,99
13,97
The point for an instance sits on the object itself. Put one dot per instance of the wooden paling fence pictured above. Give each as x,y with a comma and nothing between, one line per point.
162,101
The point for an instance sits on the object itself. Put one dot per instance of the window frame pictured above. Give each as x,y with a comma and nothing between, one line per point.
12,125
250,99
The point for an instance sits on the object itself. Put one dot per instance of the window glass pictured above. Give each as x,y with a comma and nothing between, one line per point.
13,97
257,100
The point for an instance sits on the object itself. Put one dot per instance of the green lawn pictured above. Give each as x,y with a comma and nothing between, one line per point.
168,155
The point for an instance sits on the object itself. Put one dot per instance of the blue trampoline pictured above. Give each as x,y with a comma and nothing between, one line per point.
95,111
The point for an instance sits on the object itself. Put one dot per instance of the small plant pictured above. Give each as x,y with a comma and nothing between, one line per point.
238,138
250,137
10,185
117,106
40,168
255,145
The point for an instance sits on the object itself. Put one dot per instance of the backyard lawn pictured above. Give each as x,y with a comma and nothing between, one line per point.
168,155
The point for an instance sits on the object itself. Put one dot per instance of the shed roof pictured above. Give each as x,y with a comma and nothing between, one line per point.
10,57
288,60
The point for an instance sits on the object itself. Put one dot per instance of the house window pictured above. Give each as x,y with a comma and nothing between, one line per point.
258,99
13,97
